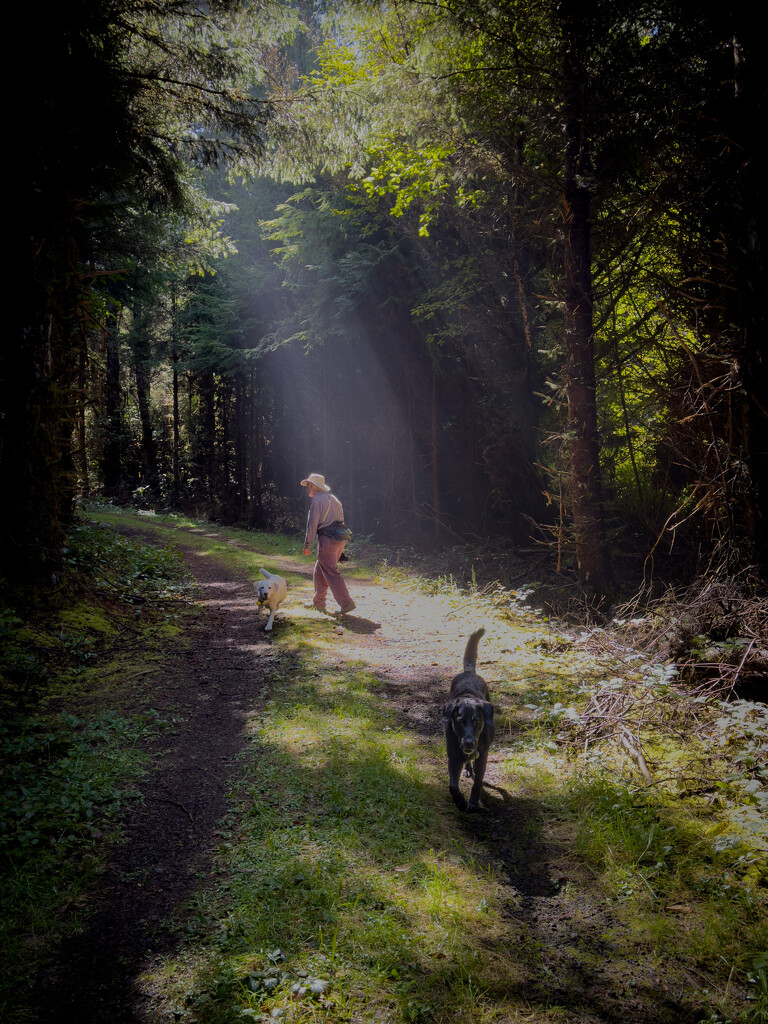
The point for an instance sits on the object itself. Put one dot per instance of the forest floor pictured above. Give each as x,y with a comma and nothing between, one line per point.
591,965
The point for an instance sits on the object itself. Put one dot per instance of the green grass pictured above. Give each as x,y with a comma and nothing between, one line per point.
347,888
74,721
65,782
239,550
341,857
327,864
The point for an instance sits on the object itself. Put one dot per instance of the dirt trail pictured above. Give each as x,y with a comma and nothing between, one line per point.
415,643
208,691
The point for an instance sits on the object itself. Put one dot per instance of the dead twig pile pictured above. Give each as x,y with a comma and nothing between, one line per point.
716,633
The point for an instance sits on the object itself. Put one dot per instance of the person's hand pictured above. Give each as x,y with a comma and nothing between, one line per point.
305,552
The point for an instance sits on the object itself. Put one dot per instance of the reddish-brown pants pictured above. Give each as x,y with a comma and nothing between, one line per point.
327,573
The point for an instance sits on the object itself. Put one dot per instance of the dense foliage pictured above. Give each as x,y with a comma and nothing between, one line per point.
495,275
497,269
124,101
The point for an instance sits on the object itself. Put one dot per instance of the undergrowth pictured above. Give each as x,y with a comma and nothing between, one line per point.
112,590
69,761
65,784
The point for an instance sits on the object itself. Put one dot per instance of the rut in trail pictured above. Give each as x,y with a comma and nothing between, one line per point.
208,690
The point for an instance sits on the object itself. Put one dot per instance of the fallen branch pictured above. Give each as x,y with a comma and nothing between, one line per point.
626,741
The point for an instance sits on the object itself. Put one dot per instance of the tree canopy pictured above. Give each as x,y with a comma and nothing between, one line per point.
493,268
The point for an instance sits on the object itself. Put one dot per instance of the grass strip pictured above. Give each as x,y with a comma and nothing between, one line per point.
346,890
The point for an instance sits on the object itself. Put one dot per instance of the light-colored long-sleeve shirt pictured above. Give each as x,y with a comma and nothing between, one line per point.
324,509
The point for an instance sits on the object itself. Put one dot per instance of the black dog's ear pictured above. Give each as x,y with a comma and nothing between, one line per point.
488,712
447,712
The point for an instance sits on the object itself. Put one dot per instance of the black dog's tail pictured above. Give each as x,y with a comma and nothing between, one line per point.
470,655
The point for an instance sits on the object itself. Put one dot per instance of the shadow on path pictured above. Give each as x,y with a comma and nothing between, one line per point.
559,922
170,836
556,919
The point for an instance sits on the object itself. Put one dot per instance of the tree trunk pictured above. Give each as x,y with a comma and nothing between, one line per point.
467,502
585,484
207,442
82,440
176,492
748,227
242,417
113,426
176,487
148,446
255,457
224,490
434,459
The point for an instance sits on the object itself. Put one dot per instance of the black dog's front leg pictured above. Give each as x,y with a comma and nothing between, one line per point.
482,757
455,764
477,787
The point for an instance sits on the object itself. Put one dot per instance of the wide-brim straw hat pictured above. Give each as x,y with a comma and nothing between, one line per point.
318,480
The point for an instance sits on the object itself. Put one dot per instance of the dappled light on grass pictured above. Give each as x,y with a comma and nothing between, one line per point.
341,857
345,866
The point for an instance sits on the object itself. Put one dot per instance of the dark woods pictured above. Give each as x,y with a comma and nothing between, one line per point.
426,443
574,358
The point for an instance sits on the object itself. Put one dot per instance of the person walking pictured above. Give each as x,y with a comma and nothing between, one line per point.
325,516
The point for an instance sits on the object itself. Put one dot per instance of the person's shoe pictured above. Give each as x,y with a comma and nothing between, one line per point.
348,607
320,608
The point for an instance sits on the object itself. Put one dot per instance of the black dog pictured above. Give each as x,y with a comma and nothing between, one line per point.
468,727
